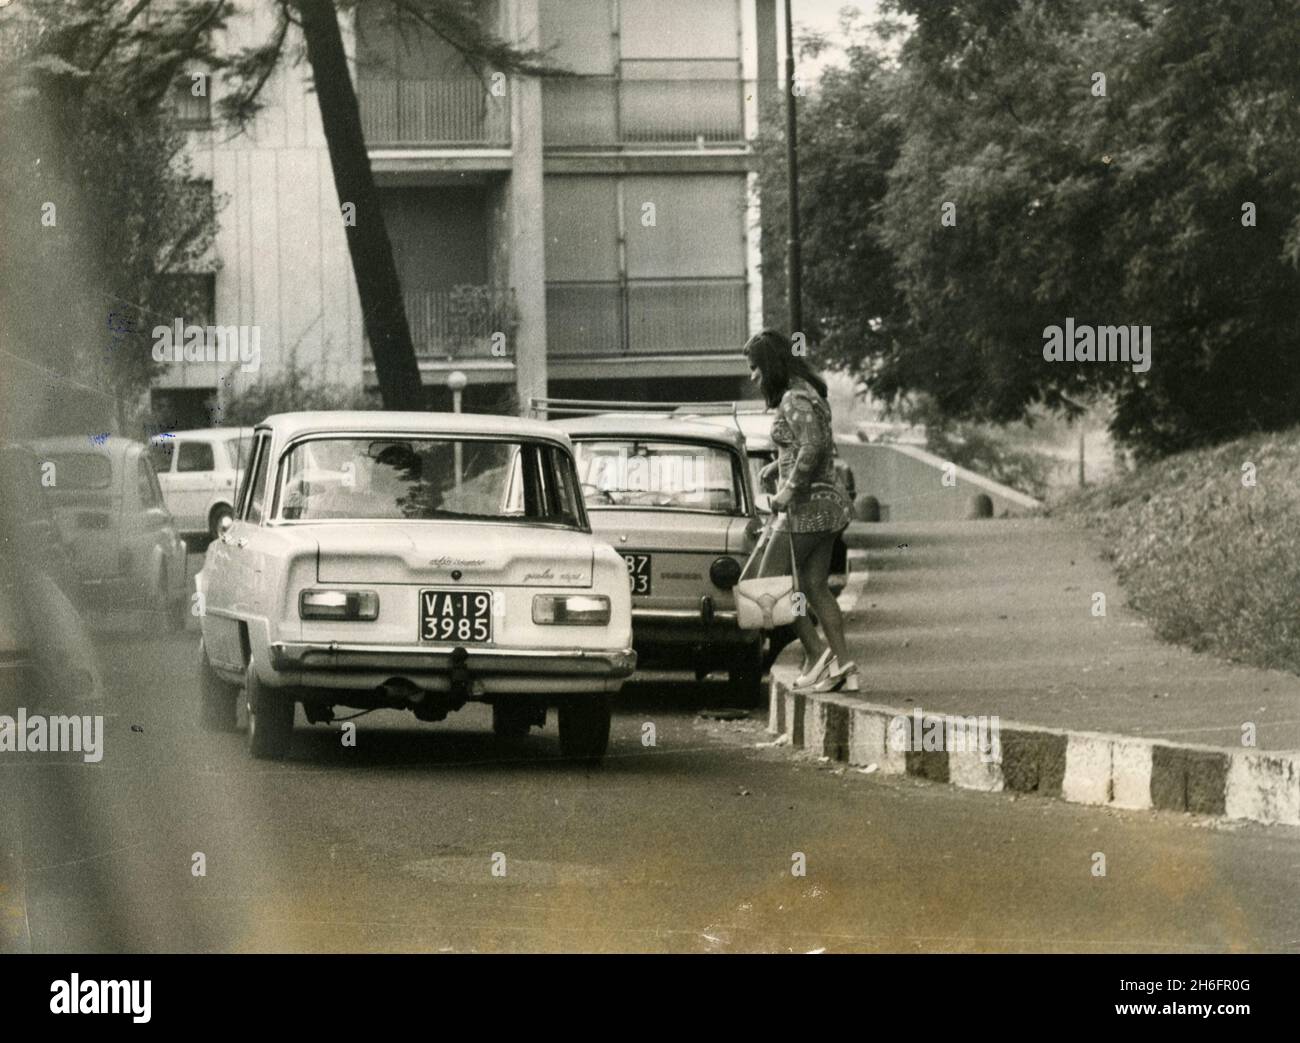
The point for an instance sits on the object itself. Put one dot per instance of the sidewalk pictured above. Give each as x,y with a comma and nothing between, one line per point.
996,618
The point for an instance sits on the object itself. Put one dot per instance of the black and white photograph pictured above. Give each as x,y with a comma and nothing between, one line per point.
664,477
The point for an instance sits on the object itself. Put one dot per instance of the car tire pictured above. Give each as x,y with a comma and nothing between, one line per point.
584,728
745,680
220,511
218,699
173,609
511,720
270,718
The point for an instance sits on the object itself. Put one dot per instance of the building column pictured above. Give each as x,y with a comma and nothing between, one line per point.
524,220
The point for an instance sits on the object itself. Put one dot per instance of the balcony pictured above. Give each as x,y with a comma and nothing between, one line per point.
646,317
460,323
592,111
452,112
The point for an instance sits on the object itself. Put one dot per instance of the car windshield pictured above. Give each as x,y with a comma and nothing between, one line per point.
370,478
659,474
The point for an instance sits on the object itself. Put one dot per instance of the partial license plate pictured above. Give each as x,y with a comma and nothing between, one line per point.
459,616
638,572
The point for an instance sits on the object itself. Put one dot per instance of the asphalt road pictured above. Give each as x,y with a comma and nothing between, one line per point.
686,845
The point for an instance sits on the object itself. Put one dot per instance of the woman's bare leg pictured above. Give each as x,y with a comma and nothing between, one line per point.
814,554
777,563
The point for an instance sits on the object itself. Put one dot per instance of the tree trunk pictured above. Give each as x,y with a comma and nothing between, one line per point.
371,250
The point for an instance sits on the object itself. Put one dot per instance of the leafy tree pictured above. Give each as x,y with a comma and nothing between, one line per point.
97,204
849,138
93,57
292,387
1119,208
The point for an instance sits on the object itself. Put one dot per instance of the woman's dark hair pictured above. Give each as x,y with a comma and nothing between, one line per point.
772,354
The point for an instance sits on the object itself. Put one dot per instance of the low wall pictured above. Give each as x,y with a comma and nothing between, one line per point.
909,484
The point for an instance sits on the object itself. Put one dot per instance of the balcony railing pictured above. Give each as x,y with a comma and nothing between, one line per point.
453,112
604,110
646,316
466,322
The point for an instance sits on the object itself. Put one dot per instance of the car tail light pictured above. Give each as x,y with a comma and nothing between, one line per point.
725,573
338,604
571,609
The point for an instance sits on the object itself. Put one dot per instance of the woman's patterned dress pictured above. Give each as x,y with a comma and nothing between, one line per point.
805,460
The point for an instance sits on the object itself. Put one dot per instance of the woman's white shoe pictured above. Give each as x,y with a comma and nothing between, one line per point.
815,672
838,678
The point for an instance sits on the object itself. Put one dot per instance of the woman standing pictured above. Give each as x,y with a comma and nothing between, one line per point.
809,500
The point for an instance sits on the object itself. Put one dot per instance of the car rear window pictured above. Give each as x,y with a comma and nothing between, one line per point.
423,479
77,471
659,474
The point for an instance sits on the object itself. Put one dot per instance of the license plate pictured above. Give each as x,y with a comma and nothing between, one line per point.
638,572
456,616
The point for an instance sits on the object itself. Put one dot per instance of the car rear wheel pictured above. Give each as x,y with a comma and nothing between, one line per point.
217,698
178,612
584,728
172,608
216,516
745,679
511,720
270,718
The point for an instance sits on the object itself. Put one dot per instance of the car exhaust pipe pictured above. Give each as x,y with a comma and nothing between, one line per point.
403,692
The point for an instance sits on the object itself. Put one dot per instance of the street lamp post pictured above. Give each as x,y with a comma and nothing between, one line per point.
794,260
456,381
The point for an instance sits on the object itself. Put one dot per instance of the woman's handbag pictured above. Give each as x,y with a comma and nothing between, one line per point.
767,602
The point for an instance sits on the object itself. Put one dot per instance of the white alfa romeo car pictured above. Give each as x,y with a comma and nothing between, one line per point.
416,561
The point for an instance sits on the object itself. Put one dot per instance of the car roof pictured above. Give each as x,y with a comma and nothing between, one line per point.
291,425
650,425
755,426
203,434
111,446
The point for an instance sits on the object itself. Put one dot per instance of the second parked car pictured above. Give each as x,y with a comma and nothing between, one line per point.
675,499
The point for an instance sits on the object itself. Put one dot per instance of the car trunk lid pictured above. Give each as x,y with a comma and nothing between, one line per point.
489,553
669,553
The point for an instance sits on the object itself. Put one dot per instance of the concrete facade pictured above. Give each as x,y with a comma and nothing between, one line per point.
590,234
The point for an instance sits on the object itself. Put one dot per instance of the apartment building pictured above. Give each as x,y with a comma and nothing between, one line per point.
593,234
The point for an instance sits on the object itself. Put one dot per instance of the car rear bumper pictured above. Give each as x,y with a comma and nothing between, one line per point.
309,658
686,617
702,635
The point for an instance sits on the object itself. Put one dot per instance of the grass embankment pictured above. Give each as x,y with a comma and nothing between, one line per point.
1212,564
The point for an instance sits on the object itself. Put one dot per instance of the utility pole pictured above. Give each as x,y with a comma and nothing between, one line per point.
1082,428
794,261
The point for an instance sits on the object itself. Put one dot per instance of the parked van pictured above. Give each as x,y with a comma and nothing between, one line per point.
199,472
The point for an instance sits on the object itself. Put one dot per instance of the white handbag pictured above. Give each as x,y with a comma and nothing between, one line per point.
767,602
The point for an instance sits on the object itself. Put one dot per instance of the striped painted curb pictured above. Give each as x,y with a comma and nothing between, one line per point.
1077,766
1081,767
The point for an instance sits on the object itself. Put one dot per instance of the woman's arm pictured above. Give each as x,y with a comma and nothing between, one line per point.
812,435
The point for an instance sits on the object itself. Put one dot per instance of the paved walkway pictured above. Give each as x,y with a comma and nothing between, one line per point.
995,617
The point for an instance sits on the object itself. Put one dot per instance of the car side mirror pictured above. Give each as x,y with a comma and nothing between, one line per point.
226,522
